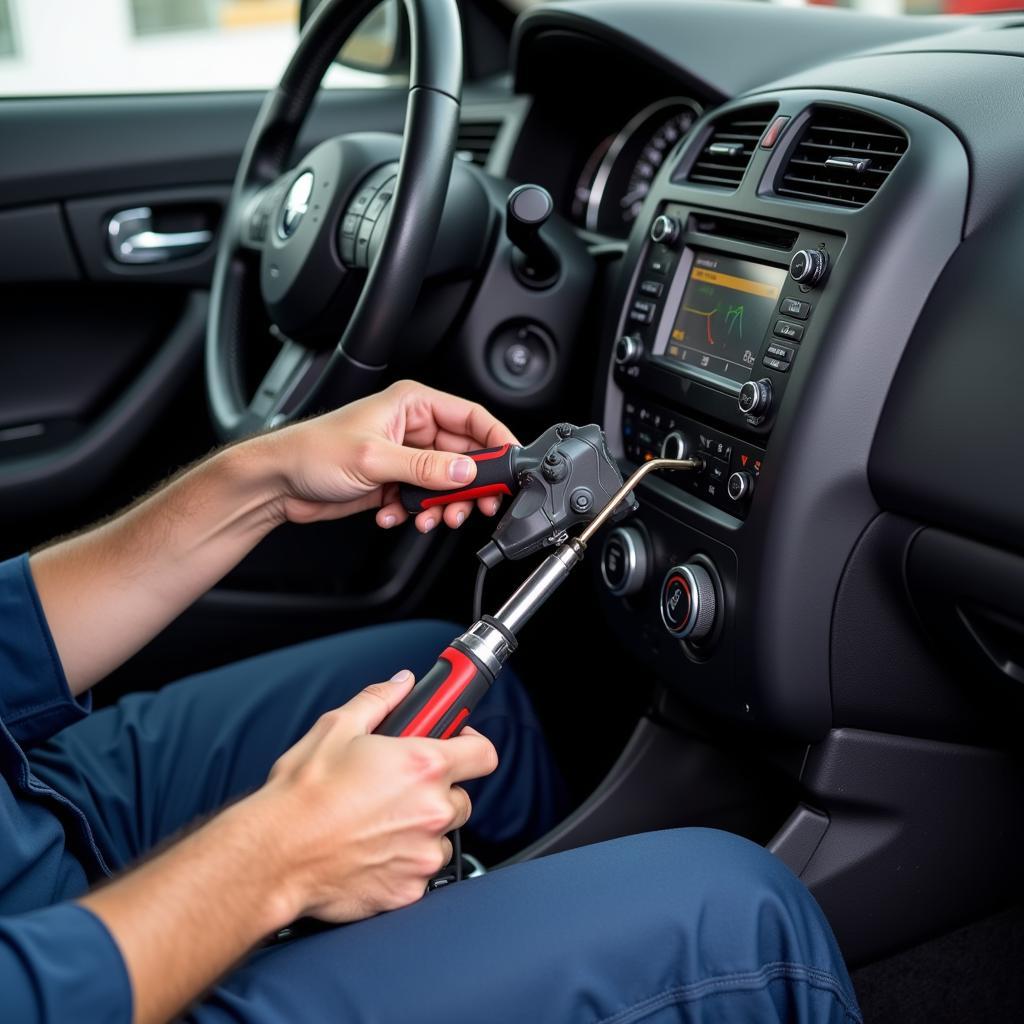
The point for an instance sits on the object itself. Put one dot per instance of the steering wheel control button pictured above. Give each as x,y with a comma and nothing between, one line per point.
809,266
665,230
675,446
741,486
795,308
688,602
755,397
628,350
784,329
624,561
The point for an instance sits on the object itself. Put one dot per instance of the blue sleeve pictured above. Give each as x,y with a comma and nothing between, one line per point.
61,964
35,701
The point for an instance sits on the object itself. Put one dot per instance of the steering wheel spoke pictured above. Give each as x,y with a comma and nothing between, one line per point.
255,224
290,368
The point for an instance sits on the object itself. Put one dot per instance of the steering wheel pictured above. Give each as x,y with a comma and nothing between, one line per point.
341,238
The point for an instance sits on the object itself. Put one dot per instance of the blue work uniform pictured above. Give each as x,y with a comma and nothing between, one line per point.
681,925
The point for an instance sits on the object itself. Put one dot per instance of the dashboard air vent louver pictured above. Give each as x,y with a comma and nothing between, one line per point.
841,158
476,140
728,149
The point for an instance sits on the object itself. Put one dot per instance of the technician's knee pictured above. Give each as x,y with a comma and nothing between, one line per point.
747,906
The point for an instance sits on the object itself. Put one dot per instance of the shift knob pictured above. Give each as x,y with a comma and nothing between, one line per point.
533,260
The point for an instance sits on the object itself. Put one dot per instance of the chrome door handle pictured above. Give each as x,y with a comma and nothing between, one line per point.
133,240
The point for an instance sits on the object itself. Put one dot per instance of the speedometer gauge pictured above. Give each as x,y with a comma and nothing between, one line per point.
618,174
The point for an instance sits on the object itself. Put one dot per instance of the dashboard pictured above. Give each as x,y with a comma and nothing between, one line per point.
807,224
782,214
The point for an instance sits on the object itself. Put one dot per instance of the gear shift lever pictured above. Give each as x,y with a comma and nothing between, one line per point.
533,260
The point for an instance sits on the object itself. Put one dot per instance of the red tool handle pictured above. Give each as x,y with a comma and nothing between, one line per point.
495,474
442,700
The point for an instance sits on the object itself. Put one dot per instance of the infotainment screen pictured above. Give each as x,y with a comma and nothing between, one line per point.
726,308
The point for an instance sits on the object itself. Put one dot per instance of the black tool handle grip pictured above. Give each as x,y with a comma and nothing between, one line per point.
441,701
494,475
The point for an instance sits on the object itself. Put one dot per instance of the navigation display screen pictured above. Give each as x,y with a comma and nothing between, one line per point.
726,309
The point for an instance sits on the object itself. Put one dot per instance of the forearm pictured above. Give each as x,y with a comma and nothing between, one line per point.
182,919
108,591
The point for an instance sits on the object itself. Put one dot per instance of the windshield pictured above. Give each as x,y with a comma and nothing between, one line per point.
872,6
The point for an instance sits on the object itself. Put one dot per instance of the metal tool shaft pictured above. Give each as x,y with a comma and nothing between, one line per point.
648,467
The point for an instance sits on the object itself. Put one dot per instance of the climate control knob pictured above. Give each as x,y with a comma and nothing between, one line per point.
675,446
755,398
624,561
808,266
740,486
688,602
628,350
665,230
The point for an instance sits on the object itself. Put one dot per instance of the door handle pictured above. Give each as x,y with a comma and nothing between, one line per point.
133,240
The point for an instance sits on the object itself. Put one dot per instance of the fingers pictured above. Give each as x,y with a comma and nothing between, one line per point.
430,413
447,851
368,708
470,756
462,807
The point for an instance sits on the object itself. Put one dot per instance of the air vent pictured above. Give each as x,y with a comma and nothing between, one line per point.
729,147
476,140
842,158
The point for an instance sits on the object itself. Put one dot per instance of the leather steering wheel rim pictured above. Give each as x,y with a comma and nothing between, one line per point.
359,359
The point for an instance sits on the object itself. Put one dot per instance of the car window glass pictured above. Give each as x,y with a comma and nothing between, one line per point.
83,47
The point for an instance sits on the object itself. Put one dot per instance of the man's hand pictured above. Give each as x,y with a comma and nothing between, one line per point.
352,459
110,590
348,825
362,819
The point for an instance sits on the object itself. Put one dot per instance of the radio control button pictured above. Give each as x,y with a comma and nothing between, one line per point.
795,308
652,288
778,365
665,230
755,398
780,352
628,350
808,266
643,311
784,329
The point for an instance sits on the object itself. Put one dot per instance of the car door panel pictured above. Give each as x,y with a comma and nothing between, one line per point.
101,392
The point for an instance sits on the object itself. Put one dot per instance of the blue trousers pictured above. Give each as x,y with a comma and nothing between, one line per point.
684,925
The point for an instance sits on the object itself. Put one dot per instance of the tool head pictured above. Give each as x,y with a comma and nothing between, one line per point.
566,478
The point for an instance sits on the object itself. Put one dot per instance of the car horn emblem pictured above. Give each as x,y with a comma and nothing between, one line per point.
296,204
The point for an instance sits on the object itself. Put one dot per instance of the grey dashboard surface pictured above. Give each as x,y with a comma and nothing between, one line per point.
729,46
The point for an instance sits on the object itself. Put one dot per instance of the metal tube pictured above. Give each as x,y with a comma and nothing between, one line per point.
648,467
539,586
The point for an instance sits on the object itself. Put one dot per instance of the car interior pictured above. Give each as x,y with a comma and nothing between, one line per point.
780,239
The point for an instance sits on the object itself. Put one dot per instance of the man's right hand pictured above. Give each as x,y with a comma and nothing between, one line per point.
358,821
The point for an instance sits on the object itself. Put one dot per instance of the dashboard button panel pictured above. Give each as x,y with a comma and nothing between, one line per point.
649,428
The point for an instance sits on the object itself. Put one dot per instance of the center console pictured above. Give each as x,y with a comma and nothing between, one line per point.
757,319
716,316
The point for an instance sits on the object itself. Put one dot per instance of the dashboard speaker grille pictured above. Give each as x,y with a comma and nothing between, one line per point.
476,140
842,158
726,152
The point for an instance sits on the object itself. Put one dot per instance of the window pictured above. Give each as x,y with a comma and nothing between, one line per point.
7,42
79,47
